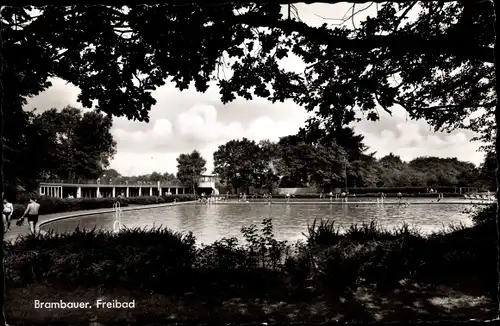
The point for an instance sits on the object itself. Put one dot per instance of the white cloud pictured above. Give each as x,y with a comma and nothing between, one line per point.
196,128
199,124
266,128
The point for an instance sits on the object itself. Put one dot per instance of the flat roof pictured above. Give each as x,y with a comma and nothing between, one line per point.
95,185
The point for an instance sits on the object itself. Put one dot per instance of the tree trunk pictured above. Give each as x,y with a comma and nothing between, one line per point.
2,189
497,143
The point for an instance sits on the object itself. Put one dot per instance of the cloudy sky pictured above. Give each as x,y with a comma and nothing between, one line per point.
183,121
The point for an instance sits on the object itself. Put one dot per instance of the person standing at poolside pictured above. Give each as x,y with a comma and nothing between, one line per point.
118,200
32,213
400,196
343,195
8,209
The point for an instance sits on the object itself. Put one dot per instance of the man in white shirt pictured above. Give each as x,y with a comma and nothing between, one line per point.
8,209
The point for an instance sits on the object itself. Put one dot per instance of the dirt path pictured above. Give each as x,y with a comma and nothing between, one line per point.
421,303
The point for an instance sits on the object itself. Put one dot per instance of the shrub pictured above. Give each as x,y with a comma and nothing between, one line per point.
135,257
179,198
484,214
145,200
330,261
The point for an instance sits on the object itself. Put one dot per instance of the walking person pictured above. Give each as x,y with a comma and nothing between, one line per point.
32,213
8,210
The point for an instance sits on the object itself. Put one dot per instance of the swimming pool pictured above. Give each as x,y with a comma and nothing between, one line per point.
212,222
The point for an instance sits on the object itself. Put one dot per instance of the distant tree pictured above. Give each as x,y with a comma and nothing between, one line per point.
326,132
239,164
445,171
170,178
363,172
155,176
328,166
487,171
304,164
269,177
60,144
189,168
112,173
81,145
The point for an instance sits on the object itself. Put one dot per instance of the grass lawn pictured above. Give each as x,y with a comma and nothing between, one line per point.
412,302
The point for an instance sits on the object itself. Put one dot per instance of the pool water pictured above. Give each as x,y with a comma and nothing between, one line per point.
213,222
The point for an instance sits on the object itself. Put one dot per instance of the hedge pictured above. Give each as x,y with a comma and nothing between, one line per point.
351,192
51,205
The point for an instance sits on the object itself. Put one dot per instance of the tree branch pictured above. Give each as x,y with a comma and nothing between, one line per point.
400,43
185,3
403,15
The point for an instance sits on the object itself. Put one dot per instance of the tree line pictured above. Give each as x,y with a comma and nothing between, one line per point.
314,158
300,161
58,145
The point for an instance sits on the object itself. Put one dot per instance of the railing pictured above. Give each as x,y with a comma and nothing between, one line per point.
112,182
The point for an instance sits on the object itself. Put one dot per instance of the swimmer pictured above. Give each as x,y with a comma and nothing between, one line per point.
382,196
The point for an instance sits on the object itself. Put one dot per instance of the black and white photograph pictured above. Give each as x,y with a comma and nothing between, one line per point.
238,162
